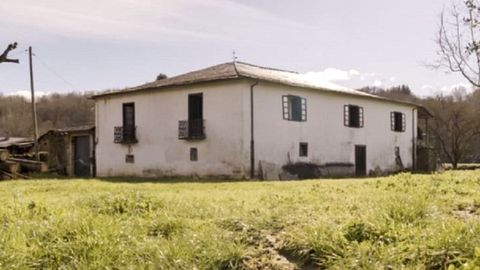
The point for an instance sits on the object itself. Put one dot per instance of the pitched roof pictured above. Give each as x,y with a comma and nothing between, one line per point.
236,70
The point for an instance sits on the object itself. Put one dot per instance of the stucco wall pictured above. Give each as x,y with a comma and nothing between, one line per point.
328,139
226,149
159,152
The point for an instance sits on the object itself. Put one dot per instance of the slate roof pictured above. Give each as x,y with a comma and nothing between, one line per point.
237,70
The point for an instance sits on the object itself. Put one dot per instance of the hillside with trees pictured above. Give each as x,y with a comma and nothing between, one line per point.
53,111
455,127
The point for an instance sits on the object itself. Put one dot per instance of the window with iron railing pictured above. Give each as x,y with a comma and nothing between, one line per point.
120,135
191,129
127,132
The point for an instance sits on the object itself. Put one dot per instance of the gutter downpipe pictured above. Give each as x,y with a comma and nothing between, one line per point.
252,141
413,141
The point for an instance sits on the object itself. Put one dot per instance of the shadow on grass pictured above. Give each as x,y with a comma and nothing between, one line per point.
171,180
141,180
186,179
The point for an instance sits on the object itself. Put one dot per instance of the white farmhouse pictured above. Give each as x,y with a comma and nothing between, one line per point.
240,120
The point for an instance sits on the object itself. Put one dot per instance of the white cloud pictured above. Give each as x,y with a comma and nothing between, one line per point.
27,94
431,90
377,83
468,87
352,77
333,74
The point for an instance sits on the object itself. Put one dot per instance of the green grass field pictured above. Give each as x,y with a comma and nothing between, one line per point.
399,222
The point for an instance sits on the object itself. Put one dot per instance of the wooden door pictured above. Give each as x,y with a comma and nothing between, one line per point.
360,160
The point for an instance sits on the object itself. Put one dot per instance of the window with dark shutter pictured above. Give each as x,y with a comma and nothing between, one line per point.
397,121
294,108
129,122
353,116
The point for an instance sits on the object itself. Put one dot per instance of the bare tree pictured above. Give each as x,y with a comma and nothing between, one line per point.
4,56
455,125
458,40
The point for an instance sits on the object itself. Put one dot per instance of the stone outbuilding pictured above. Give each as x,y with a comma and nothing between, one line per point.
69,151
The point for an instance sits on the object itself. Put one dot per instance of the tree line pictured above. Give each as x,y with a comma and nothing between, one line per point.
454,129
53,111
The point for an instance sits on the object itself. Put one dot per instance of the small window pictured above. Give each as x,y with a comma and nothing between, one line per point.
353,116
193,154
129,158
294,108
397,121
303,149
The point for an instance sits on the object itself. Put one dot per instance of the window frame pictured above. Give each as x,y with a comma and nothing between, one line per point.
287,108
303,149
347,112
128,130
393,121
193,154
129,158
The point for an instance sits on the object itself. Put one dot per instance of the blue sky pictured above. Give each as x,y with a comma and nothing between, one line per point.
103,44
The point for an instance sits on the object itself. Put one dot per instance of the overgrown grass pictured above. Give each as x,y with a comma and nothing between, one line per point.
399,222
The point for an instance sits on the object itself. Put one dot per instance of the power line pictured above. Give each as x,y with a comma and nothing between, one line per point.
54,72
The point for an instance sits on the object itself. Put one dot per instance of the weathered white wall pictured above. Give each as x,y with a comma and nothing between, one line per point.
226,150
159,152
324,131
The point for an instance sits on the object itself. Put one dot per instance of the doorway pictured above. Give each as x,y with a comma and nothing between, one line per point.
360,160
81,156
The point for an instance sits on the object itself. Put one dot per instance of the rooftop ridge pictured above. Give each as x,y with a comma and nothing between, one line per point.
235,67
268,68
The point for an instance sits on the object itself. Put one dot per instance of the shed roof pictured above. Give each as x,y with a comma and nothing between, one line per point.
237,70
68,130
75,129
6,142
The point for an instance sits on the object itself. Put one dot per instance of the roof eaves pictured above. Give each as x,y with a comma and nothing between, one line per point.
153,87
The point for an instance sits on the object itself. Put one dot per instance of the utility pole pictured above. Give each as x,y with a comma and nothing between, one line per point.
34,106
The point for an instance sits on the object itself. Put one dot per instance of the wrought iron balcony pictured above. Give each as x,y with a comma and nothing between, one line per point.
125,135
191,129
